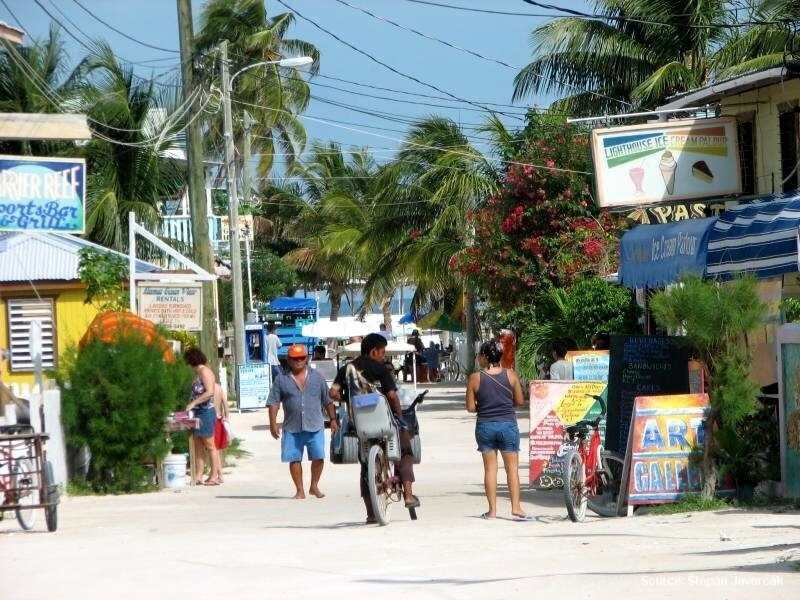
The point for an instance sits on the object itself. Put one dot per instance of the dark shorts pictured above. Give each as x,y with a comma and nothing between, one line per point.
497,435
207,417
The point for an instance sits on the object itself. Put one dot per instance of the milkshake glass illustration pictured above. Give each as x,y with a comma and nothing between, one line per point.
667,167
637,177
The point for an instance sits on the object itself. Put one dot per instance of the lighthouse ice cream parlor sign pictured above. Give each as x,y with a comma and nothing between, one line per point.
677,160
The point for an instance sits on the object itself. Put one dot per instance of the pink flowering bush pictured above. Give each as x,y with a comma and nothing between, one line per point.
543,226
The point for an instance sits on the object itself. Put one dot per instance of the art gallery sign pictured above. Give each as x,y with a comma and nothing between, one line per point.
42,194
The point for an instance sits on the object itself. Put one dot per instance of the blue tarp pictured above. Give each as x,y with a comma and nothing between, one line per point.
760,239
286,303
657,255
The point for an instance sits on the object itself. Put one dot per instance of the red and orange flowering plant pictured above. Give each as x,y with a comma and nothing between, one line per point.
543,225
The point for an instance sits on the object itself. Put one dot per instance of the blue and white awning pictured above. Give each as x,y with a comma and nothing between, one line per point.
760,239
656,255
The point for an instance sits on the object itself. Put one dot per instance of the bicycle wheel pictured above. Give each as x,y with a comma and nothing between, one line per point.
378,481
604,503
26,486
574,486
51,509
416,449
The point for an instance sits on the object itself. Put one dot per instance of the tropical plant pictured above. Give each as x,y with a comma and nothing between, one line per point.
272,95
715,319
116,398
542,227
425,197
103,274
36,79
339,211
575,313
131,120
637,53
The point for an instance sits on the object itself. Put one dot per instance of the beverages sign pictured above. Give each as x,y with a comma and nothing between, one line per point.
665,162
42,194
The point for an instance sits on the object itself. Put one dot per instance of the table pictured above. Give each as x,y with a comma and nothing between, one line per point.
181,422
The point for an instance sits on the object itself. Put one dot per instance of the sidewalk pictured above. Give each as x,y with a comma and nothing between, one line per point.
248,539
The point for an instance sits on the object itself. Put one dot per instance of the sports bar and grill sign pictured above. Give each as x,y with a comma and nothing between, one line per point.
175,306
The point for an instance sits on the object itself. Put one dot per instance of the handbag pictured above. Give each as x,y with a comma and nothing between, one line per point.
221,438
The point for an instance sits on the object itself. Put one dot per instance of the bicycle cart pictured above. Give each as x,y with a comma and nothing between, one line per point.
26,477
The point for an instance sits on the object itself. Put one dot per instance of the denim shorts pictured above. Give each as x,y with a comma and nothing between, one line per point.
292,445
497,435
207,415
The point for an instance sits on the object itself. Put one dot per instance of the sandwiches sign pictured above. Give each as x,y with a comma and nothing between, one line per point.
664,162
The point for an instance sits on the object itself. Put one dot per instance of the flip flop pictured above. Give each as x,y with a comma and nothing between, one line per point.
413,503
486,516
522,517
211,483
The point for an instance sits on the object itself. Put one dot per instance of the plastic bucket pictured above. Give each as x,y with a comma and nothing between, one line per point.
175,470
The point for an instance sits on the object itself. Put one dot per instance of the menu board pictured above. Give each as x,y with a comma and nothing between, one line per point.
554,405
254,381
641,365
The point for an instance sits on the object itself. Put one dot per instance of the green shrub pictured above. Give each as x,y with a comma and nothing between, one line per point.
116,399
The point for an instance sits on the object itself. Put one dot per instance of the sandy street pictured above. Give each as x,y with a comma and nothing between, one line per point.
248,539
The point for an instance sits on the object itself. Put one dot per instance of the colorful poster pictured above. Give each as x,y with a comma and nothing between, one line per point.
589,365
664,162
553,406
664,431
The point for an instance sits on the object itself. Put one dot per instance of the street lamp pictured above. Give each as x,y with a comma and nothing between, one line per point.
233,200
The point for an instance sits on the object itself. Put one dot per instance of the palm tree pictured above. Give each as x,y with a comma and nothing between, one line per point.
126,173
638,53
272,95
769,43
427,192
339,194
36,79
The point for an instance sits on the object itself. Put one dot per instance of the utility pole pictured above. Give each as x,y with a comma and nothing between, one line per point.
233,217
202,252
247,190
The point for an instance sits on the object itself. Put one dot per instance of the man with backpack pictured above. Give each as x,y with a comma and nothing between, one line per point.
374,376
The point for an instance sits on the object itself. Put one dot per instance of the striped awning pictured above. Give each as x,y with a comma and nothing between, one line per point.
759,239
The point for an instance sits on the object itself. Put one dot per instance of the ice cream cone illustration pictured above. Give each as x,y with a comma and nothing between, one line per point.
667,167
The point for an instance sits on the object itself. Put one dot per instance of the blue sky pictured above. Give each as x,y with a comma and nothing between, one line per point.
468,59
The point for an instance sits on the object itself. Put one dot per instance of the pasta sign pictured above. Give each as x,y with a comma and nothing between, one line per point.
176,306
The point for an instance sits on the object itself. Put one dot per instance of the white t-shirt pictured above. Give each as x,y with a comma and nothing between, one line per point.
273,343
561,370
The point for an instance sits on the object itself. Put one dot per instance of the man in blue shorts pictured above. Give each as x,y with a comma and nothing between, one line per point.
304,395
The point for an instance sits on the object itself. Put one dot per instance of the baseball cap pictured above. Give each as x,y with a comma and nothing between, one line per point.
297,351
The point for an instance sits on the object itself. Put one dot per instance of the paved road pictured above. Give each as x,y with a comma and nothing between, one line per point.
248,539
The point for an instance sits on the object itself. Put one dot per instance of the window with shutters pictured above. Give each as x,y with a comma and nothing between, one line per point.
23,316
789,132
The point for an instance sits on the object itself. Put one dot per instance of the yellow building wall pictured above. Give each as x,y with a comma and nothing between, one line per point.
763,106
72,318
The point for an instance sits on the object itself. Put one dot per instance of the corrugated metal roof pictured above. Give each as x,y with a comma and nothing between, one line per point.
46,256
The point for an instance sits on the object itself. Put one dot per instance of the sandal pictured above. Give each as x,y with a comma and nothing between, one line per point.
209,482
413,503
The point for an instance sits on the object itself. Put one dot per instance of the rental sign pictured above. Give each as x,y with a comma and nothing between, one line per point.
42,194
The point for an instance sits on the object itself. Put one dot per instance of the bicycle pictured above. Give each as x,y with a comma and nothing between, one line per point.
26,478
450,370
592,475
379,447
